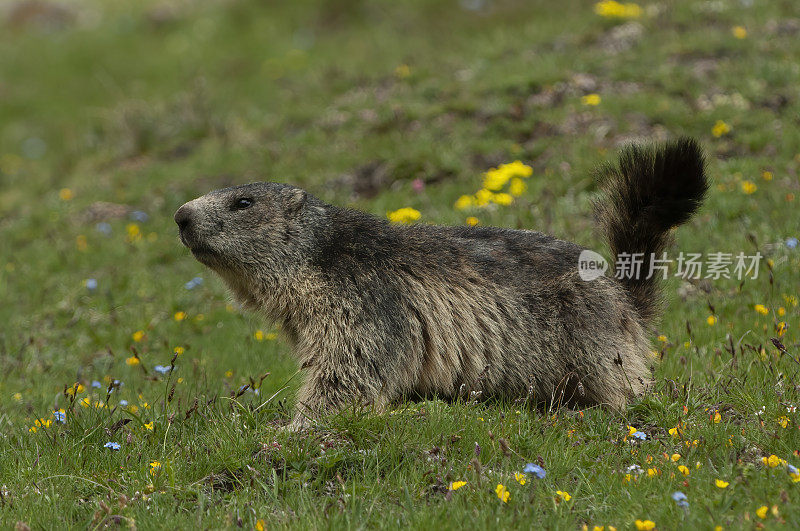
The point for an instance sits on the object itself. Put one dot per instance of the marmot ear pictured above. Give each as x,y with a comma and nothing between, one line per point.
295,201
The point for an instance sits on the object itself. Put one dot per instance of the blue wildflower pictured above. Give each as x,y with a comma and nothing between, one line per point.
196,281
792,469
96,384
112,445
536,470
634,469
103,228
791,243
60,417
162,369
639,435
139,216
91,284
680,499
123,403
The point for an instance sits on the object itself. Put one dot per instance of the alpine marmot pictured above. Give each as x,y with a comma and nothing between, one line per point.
377,311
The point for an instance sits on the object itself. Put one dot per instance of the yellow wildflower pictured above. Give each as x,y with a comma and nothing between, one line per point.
652,472
564,495
65,194
762,511
464,202
760,308
521,478
783,421
228,374
766,175
614,9
662,338
781,328
81,242
749,187
17,397
472,221
717,417
259,335
260,525
720,129
179,316
517,187
482,197
740,32
781,311
495,179
133,231
721,483
133,409
402,71
155,466
645,525
711,320
503,199
591,100
675,457
502,493
773,461
137,336
683,469
149,426
404,215
132,361
179,350
457,485
517,169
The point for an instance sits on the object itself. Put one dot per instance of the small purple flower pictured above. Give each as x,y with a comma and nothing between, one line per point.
639,435
536,470
138,215
680,499
418,185
791,243
112,445
162,369
792,469
91,284
103,228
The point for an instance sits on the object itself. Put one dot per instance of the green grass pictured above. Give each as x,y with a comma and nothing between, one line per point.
147,107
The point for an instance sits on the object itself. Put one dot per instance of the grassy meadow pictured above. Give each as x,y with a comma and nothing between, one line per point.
134,395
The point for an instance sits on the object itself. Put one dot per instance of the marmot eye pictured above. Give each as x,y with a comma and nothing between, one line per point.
241,204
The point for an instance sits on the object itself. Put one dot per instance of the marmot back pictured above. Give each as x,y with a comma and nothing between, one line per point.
377,311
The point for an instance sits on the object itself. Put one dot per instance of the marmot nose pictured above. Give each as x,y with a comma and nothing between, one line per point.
183,217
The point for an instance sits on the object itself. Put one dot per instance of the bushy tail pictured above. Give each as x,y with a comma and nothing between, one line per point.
650,190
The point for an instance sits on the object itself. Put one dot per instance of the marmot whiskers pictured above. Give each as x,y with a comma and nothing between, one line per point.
377,311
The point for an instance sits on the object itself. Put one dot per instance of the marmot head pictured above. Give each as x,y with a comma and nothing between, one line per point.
252,235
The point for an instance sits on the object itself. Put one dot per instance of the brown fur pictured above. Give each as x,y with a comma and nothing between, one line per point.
377,311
